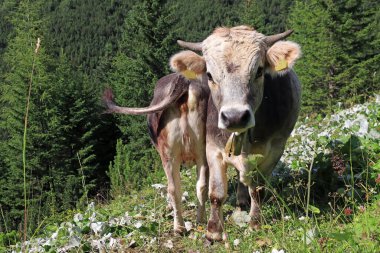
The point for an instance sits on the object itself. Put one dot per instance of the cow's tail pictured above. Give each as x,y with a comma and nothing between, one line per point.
175,94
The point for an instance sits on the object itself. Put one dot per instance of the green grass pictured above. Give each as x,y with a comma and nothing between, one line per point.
149,229
323,197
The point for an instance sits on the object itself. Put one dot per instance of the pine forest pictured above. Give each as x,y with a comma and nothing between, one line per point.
60,152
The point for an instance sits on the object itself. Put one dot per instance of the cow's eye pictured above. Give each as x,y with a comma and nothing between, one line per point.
259,72
209,76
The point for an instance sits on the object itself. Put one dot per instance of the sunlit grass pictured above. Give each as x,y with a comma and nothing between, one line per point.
328,202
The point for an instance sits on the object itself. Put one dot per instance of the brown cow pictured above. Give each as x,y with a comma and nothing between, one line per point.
177,127
246,89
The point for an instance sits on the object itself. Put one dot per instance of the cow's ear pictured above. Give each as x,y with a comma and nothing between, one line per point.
282,56
188,64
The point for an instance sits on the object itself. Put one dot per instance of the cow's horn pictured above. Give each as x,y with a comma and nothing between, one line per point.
190,45
270,40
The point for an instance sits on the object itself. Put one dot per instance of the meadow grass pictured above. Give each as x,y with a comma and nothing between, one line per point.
323,197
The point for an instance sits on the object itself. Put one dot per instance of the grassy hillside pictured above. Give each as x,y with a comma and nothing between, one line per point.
322,197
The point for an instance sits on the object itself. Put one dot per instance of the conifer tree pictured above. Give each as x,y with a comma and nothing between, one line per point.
317,66
22,65
147,43
198,18
357,32
69,143
85,30
338,64
268,17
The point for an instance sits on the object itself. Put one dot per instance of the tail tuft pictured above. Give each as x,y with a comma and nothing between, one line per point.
108,98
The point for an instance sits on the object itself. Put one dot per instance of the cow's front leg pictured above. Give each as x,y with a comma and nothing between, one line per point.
251,181
202,182
217,194
172,171
255,212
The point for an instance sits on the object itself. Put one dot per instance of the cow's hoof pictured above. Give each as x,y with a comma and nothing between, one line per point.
180,230
214,236
255,225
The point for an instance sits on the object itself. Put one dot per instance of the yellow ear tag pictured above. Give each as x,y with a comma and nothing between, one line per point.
189,74
281,65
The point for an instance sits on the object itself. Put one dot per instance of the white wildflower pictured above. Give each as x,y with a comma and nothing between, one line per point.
106,237
374,134
73,242
185,196
153,240
97,244
160,189
78,217
236,242
158,186
363,126
130,234
302,218
241,218
348,124
113,244
92,217
91,206
188,225
169,244
277,251
310,234
138,224
377,96
97,227
324,134
287,217
54,235
132,244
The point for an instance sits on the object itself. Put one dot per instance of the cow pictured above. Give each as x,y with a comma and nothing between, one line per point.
239,98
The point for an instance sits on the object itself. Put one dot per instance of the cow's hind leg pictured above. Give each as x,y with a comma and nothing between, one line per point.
172,171
243,197
202,182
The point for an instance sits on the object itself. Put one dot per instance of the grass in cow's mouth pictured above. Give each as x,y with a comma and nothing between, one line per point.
331,206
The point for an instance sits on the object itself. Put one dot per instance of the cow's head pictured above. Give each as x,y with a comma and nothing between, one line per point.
235,60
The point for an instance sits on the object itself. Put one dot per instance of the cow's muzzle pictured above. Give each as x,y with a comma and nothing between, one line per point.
236,119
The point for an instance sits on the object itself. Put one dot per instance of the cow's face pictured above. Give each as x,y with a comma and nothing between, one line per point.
235,60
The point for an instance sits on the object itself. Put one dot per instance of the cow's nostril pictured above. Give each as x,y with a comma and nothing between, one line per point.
224,117
245,117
